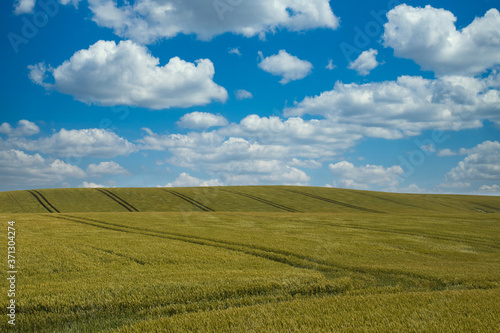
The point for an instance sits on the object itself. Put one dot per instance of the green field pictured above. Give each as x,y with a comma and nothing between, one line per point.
252,259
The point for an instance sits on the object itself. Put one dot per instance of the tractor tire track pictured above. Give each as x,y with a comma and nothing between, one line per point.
477,242
140,262
340,203
267,202
384,199
279,256
15,200
40,200
47,201
118,200
193,202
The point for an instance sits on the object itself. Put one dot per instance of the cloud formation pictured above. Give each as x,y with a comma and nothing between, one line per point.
365,177
482,163
24,128
289,67
365,63
430,38
185,180
106,168
242,94
24,6
146,21
201,120
406,107
19,169
127,74
91,185
91,142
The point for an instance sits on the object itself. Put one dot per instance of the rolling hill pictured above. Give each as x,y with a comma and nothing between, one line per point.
251,259
240,199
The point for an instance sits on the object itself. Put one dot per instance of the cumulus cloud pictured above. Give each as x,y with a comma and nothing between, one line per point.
185,180
233,160
243,94
77,143
430,38
482,163
20,169
24,128
365,177
330,65
235,50
147,21
446,152
454,185
394,109
413,188
365,63
106,168
91,185
127,74
493,189
289,67
24,6
258,150
310,164
201,120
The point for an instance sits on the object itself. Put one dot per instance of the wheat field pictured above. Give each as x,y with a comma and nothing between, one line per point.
253,259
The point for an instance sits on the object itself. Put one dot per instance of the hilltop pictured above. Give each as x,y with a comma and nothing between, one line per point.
292,199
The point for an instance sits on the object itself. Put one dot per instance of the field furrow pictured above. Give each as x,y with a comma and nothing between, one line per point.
191,201
40,200
118,200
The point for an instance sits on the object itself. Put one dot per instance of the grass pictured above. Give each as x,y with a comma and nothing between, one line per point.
423,263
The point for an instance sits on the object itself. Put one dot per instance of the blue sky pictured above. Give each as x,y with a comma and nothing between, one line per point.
390,96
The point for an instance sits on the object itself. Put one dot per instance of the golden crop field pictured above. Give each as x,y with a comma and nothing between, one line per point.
253,259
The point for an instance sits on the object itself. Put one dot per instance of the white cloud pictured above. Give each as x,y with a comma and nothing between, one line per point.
482,163
413,188
429,37
233,160
365,63
5,128
20,169
489,189
446,152
127,74
91,185
185,180
235,50
365,177
394,109
289,67
454,185
77,143
201,120
24,6
66,2
147,21
310,164
106,168
330,65
24,128
243,94
38,74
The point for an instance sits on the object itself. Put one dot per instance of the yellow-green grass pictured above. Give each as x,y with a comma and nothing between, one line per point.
257,271
241,199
